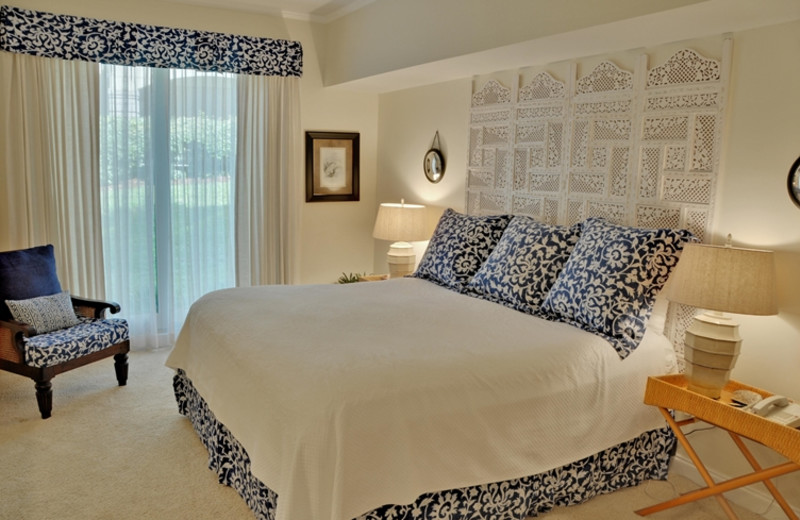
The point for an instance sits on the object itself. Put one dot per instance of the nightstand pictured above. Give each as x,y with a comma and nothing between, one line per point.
671,393
373,277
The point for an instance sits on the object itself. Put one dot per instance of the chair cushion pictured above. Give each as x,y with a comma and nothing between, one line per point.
25,274
90,335
45,313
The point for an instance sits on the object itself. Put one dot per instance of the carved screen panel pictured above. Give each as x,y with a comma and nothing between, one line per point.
637,147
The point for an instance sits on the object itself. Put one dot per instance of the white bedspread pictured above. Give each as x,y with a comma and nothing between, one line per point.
349,397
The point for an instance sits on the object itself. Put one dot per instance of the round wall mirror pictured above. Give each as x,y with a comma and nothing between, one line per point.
793,182
433,163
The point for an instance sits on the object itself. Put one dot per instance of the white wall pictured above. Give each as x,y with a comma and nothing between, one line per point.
762,141
408,123
413,32
335,236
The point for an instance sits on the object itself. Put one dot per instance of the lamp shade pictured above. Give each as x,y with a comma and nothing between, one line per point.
401,222
725,279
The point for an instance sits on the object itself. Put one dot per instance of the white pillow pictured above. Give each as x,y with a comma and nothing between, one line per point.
658,316
45,313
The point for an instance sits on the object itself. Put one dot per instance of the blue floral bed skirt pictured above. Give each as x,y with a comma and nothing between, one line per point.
628,464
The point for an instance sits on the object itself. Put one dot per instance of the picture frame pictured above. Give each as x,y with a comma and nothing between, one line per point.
332,163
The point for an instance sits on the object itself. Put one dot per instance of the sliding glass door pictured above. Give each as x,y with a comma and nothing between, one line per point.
167,162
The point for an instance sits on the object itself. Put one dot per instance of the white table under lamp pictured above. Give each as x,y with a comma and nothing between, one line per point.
720,279
401,223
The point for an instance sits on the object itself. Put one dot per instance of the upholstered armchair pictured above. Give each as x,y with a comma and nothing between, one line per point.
44,331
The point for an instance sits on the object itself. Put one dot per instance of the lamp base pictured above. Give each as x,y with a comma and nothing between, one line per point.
711,348
401,259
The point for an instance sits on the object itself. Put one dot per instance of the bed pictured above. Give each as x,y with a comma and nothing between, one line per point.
504,378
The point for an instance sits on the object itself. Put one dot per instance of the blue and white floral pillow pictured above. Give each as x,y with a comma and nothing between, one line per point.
611,280
45,313
525,264
459,246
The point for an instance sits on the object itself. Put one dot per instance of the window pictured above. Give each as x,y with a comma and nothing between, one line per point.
160,183
167,162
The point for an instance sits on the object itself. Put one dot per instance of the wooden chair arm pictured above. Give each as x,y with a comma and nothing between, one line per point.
93,308
11,343
18,327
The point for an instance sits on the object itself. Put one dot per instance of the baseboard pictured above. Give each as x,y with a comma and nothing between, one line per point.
752,498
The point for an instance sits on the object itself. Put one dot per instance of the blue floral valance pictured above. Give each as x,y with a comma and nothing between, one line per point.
120,43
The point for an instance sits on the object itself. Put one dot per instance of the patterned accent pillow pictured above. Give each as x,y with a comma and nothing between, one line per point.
610,281
45,313
525,264
459,246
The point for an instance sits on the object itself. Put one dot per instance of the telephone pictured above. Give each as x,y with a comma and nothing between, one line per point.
778,408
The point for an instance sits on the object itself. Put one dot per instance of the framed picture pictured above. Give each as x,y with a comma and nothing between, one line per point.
332,166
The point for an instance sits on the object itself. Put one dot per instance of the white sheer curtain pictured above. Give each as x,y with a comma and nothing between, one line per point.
203,114
49,182
268,179
168,151
128,198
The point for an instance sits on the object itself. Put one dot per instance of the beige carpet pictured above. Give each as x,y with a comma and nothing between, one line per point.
122,453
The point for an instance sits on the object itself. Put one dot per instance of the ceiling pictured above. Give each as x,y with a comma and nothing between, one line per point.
311,10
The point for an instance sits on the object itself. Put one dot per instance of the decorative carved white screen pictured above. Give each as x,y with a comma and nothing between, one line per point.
638,148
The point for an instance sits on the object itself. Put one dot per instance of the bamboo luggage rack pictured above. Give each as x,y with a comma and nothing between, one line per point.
670,392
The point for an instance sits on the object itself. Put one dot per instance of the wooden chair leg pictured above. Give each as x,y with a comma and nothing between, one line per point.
44,396
121,368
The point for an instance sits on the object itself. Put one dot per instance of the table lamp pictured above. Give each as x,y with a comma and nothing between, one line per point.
719,279
401,223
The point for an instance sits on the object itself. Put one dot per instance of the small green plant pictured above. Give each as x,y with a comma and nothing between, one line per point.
350,278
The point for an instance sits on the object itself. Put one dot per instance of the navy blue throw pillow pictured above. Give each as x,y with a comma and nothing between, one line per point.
25,274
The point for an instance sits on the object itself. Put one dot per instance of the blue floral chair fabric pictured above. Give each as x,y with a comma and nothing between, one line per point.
87,337
44,331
